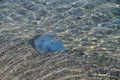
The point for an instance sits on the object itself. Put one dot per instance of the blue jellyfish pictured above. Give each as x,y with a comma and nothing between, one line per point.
48,43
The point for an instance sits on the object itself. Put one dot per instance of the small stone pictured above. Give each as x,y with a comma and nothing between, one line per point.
34,23
117,1
42,12
109,0
78,18
76,12
15,1
77,4
3,6
101,30
36,7
37,1
100,18
1,1
15,17
22,12
31,16
89,6
115,73
37,16
11,1
112,26
116,21
28,5
1,22
2,16
62,9
79,53
116,11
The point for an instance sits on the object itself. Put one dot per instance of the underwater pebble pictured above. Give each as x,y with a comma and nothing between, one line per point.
101,30
1,22
76,12
3,6
62,9
1,1
22,12
112,26
109,0
28,5
100,18
77,4
36,7
116,21
2,16
42,12
31,16
17,17
89,6
116,11
115,73
14,1
117,1
37,16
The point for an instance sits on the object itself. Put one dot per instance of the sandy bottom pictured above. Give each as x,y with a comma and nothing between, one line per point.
90,31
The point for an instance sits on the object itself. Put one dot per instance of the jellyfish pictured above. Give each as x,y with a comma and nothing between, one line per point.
47,43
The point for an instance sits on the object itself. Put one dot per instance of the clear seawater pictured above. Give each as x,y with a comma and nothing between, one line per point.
91,27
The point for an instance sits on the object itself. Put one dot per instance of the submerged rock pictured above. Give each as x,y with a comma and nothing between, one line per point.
116,11
47,43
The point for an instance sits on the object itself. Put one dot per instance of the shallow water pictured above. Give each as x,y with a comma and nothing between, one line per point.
85,26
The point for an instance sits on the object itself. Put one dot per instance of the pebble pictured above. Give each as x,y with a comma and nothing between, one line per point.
100,18
28,5
101,30
2,16
89,6
31,16
1,1
18,18
36,7
22,12
109,0
77,4
42,12
12,1
115,73
62,9
76,12
116,11
1,22
3,6
116,21
37,16
117,1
